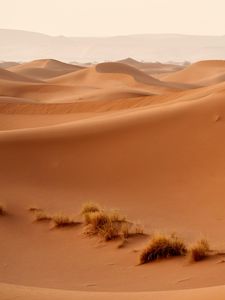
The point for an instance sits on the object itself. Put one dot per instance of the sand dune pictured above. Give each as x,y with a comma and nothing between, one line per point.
10,76
202,73
151,68
107,73
25,293
44,69
7,64
94,83
125,69
114,135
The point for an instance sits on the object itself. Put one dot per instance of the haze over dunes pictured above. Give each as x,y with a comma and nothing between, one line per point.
19,45
142,138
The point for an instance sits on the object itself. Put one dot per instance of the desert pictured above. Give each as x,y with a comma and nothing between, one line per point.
142,146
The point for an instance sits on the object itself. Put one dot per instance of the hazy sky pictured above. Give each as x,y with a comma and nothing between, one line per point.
114,17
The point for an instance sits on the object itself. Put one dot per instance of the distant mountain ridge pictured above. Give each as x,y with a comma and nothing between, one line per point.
18,45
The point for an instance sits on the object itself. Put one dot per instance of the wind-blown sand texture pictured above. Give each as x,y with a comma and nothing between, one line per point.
111,133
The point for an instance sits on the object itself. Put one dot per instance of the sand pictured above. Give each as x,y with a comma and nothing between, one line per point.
113,134
44,69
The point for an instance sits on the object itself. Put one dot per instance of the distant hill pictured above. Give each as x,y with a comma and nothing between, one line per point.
19,45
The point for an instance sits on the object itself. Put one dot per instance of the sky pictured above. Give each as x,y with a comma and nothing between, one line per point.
114,17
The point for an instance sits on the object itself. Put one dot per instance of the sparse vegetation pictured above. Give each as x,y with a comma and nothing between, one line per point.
99,222
42,216
61,220
34,209
111,225
90,207
162,246
2,210
200,251
107,224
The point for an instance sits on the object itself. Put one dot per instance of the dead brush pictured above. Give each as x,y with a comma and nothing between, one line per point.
200,250
90,207
96,221
109,231
161,246
107,225
34,209
61,220
40,216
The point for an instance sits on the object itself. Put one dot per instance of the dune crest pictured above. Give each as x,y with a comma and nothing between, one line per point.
202,73
43,69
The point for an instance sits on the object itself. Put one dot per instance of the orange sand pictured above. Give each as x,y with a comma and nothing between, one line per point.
113,134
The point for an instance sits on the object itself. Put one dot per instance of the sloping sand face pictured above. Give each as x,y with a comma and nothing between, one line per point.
130,142
203,73
43,69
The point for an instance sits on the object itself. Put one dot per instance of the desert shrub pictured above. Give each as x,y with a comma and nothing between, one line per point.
162,246
109,231
200,250
129,229
42,216
90,207
107,224
34,209
61,220
96,220
115,216
125,231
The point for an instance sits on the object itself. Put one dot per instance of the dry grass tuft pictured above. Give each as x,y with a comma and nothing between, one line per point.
115,216
162,246
108,224
125,231
96,221
61,220
200,251
2,210
34,209
129,229
90,207
42,216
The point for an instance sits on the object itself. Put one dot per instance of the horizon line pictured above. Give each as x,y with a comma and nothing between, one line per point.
115,36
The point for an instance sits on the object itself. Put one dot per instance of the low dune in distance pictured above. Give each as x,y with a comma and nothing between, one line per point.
10,76
113,134
152,68
44,69
203,73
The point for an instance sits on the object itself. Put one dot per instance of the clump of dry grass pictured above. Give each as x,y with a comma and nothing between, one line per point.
42,216
200,250
99,222
2,210
61,220
90,207
162,246
34,209
107,224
